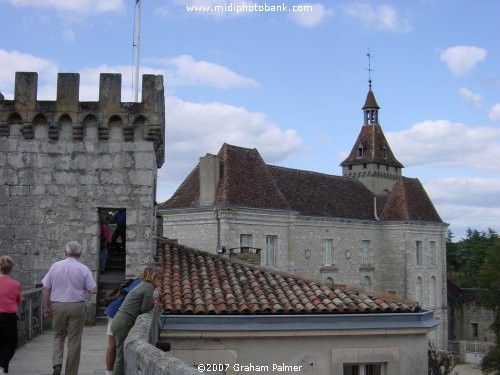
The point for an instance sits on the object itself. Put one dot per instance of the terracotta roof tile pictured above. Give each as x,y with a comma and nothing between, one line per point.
408,200
198,282
372,138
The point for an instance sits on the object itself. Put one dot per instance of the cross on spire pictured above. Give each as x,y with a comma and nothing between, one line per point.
370,70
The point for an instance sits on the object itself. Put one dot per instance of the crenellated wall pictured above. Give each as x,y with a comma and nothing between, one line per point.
62,160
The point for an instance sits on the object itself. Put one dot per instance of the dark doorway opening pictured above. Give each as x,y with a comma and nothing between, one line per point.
112,254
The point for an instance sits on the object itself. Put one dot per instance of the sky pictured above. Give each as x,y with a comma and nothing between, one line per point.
292,83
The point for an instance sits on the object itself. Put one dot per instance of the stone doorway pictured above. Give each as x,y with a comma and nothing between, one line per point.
112,254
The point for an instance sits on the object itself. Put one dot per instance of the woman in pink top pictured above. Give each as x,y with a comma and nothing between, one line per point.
10,299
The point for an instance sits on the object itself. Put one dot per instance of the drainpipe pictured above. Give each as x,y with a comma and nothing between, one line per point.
375,208
218,227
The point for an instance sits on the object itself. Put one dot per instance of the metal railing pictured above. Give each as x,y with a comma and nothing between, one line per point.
31,320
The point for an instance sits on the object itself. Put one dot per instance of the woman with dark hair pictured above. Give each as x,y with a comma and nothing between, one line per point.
10,299
138,301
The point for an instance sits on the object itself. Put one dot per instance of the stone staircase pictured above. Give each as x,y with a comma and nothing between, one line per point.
111,279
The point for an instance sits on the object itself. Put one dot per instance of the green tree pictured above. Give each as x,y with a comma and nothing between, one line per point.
489,278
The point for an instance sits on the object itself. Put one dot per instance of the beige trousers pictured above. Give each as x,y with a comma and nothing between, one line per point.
67,321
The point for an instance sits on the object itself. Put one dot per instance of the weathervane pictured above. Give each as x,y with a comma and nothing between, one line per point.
370,70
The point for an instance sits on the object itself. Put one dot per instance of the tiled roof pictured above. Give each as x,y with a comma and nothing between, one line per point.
373,141
199,282
409,201
247,181
370,101
319,194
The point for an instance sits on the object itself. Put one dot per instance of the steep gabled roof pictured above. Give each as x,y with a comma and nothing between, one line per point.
247,181
372,140
199,282
408,200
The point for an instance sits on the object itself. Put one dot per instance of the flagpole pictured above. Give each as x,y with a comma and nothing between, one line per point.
137,46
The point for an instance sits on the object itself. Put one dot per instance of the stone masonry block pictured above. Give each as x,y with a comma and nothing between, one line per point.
8,177
141,177
19,191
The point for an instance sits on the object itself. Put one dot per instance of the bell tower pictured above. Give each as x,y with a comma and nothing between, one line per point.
371,160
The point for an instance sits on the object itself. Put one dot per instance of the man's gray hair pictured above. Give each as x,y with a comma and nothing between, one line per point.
73,248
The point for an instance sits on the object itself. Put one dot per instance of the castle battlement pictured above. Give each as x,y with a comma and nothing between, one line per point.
67,118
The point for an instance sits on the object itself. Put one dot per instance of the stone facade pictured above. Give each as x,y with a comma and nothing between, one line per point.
64,160
469,319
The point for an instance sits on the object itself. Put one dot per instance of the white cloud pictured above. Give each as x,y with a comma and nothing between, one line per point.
311,18
471,97
15,61
495,112
447,144
462,59
187,71
382,17
79,6
197,128
466,201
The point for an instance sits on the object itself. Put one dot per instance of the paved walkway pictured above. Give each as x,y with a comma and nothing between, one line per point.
35,357
467,369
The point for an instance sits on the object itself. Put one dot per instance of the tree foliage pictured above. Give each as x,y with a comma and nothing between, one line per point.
489,278
466,257
440,361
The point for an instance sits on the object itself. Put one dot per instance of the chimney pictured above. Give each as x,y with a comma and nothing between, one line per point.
209,179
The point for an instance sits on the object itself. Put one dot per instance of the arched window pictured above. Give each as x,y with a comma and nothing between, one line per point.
360,150
418,290
367,283
432,292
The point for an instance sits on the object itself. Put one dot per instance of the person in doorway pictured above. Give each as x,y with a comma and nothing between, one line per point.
103,255
10,299
64,288
119,296
121,228
138,301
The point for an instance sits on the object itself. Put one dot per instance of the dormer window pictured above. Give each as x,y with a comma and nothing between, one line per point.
384,151
360,150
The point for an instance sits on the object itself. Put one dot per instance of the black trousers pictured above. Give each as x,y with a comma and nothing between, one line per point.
8,338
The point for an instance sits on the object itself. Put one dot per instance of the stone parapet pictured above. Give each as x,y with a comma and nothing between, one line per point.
20,117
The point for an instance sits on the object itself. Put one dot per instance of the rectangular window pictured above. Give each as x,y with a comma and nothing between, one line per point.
271,243
432,252
245,242
363,369
475,330
366,252
418,252
328,252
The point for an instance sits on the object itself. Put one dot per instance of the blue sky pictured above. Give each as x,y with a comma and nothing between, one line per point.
292,84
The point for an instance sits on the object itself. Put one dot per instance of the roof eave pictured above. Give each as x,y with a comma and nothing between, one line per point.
423,320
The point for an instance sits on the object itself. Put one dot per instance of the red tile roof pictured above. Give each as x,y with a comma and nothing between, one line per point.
409,201
199,282
373,140
247,181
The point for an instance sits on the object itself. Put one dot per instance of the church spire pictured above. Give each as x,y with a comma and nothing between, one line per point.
371,107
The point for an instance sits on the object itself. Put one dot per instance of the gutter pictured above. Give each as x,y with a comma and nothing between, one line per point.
423,320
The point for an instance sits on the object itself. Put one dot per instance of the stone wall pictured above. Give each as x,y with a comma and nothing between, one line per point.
141,357
63,160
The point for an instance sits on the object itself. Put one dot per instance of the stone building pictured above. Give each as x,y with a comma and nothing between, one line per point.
468,319
371,227
65,161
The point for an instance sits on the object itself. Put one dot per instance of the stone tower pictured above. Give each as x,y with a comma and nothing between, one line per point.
64,160
371,160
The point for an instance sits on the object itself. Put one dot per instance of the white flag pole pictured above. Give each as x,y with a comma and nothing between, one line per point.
137,46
